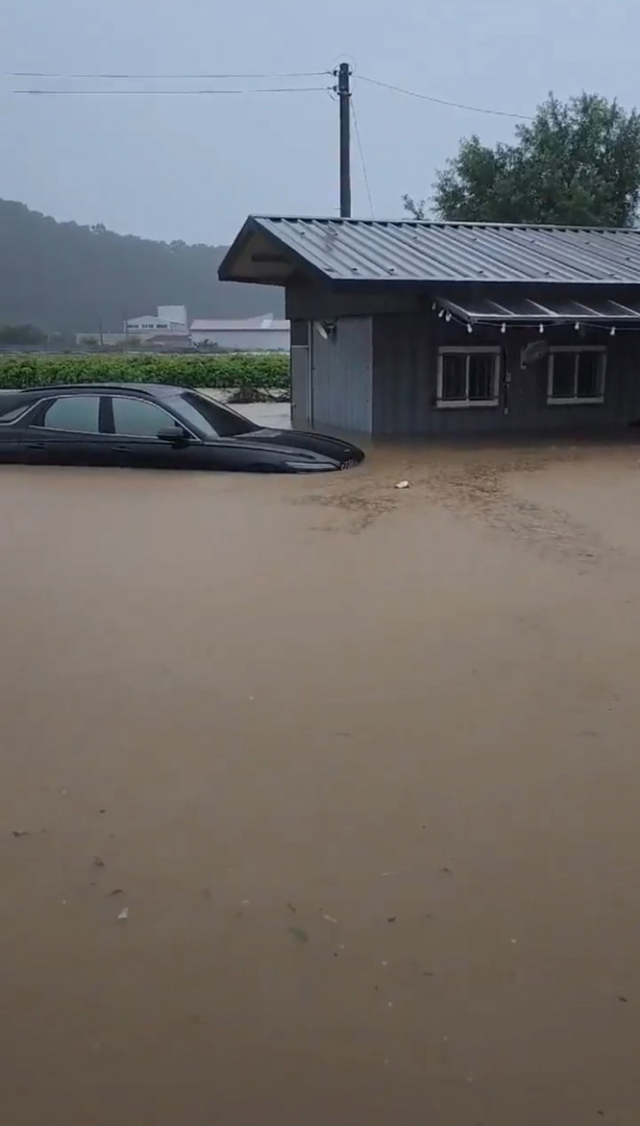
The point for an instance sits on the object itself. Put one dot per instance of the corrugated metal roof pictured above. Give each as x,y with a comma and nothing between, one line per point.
412,251
526,310
250,324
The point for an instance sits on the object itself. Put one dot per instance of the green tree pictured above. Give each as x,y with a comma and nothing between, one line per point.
577,162
416,207
22,334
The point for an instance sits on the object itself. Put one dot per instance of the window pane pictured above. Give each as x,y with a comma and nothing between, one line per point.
212,418
564,370
138,419
8,412
75,412
481,376
589,367
454,376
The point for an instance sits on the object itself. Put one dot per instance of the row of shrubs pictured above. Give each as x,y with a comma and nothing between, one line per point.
241,371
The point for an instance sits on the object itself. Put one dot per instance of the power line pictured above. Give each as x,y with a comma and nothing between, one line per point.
266,74
169,93
361,151
256,76
443,101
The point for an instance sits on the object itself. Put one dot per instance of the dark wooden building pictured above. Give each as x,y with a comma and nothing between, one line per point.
452,328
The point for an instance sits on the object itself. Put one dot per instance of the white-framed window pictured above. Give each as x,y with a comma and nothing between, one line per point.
468,377
576,375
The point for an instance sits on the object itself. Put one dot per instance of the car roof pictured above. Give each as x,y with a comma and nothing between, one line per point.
153,390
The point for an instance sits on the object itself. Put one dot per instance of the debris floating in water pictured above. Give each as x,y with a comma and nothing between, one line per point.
402,485
124,914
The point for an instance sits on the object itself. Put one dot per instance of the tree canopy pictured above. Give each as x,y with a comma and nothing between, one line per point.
67,278
577,163
21,334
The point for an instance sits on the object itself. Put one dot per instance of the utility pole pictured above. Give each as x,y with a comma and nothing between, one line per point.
344,97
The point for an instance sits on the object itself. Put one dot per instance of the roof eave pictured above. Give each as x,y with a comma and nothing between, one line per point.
246,279
226,266
497,283
251,227
427,284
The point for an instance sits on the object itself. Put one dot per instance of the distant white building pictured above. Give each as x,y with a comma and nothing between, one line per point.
169,318
256,334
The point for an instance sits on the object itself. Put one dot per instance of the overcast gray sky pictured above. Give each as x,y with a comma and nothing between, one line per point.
194,167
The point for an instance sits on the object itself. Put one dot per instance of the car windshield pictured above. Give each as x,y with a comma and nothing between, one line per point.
211,418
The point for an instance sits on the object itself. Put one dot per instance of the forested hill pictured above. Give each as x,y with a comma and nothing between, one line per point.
66,278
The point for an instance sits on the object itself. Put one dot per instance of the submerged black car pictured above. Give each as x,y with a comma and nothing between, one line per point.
153,426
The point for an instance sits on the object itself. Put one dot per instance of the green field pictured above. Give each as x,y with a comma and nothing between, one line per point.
229,371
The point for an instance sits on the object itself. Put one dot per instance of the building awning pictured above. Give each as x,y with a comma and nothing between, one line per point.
514,310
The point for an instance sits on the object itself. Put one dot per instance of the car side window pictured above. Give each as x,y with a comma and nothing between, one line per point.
134,418
7,416
80,413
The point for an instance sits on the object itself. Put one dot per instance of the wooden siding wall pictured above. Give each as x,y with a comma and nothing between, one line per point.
391,388
341,376
317,303
405,367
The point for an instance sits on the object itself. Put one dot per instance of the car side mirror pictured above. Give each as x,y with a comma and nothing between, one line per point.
175,435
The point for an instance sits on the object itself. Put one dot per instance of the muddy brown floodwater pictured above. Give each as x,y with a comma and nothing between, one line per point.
361,768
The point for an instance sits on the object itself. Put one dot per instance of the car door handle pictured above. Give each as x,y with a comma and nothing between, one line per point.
120,449
35,445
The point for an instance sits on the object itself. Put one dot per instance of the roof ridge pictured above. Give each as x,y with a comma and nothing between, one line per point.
442,223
